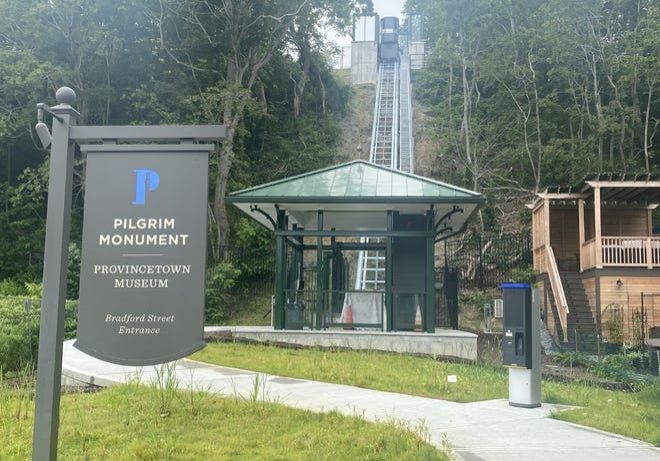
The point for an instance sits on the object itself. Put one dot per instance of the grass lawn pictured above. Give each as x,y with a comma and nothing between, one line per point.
635,414
125,423
369,369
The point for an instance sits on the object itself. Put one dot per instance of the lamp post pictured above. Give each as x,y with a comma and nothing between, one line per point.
58,221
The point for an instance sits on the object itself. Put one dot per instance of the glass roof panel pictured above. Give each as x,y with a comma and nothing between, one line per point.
354,180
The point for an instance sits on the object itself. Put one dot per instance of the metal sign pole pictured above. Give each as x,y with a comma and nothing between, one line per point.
51,331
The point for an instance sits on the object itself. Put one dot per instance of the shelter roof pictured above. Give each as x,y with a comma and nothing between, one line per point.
355,196
615,188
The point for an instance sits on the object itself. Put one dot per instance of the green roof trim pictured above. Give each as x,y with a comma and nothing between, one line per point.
356,181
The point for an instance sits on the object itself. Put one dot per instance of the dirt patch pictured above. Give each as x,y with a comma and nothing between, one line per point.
357,125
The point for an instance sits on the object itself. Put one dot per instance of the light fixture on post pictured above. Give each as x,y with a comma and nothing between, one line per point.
619,283
41,128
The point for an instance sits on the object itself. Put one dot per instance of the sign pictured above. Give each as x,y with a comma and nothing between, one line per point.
143,252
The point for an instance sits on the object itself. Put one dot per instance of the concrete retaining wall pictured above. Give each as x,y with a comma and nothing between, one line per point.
444,343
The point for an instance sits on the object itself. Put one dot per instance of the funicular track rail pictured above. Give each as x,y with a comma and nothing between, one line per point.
392,103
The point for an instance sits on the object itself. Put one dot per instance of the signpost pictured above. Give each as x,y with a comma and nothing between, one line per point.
144,246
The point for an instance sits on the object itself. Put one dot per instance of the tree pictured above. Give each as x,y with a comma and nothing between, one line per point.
225,46
530,93
231,62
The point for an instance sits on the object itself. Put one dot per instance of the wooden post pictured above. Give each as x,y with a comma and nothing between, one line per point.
546,218
649,234
582,236
598,242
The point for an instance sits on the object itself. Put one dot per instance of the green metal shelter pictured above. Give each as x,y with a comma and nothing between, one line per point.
327,223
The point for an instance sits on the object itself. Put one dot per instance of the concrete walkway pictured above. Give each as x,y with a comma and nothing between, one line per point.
490,430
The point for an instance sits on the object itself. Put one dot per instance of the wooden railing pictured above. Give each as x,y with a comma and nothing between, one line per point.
623,252
557,290
631,251
588,255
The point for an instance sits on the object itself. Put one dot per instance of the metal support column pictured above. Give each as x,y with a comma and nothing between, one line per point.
388,273
280,273
429,308
318,324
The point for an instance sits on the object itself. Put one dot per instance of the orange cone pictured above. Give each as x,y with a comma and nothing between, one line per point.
418,319
349,314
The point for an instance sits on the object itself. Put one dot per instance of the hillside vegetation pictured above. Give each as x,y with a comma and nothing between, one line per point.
523,94
515,95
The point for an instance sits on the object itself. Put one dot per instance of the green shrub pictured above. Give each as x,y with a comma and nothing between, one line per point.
525,274
623,368
70,319
19,330
19,334
33,289
572,359
219,280
474,299
640,360
11,287
73,268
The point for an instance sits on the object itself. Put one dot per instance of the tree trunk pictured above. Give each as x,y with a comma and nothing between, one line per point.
225,158
599,111
450,89
647,120
539,161
465,128
299,85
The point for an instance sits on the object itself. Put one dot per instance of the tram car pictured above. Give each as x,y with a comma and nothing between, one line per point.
388,48
389,24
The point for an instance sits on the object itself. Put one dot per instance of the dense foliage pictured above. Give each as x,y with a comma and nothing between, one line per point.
19,325
520,94
524,94
260,68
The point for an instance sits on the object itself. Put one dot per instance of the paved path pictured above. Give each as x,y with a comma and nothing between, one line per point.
490,430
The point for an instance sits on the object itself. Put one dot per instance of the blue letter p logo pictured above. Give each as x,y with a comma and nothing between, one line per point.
145,181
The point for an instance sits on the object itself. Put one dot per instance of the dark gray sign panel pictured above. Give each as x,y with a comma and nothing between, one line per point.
143,253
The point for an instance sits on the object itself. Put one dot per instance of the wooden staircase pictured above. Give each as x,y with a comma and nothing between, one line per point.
582,329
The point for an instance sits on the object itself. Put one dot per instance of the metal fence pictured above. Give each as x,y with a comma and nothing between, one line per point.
446,298
485,261
257,266
482,261
626,326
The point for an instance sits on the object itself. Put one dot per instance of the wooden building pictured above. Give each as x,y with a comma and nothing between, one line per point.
598,260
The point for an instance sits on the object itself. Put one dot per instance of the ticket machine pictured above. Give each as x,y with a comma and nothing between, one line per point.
521,347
